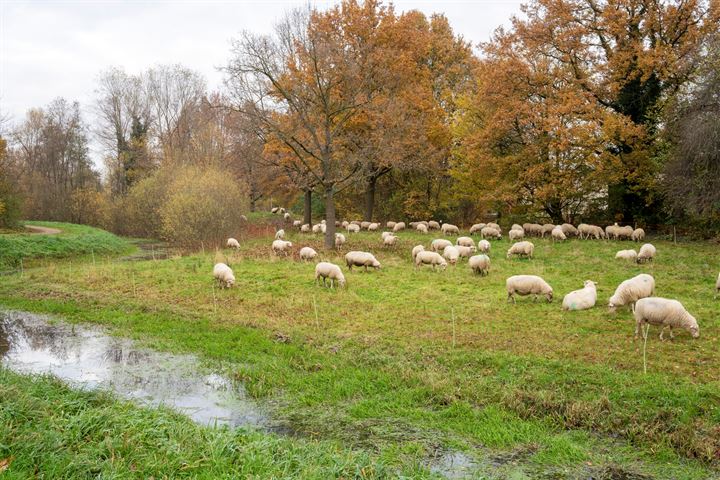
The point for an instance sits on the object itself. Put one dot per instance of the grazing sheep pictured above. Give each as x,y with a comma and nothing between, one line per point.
353,227
587,231
439,244
557,234
626,255
569,230
305,228
385,234
224,275
466,252
232,243
646,254
515,226
521,249
274,210
490,232
624,233
373,227
297,223
451,254
664,312
532,229
465,241
281,246
581,299
281,211
484,246
307,253
361,259
339,240
449,228
476,228
480,264
318,228
365,225
337,223
528,285
329,270
515,234
287,217
344,224
390,241
280,234
399,226
717,286
495,226
430,258
433,225
390,225
417,249
546,229
632,290
638,235
421,227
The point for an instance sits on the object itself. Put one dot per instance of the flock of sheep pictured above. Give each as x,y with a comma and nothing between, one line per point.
637,292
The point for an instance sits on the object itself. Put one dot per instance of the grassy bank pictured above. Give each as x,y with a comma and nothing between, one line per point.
407,362
73,240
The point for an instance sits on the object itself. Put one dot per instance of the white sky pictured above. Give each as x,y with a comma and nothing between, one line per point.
52,48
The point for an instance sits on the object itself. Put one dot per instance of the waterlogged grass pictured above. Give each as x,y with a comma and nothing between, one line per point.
73,240
383,367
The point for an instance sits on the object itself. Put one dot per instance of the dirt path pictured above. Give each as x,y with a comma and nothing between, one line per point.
42,230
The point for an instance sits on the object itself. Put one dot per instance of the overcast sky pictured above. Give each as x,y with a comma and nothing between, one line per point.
57,48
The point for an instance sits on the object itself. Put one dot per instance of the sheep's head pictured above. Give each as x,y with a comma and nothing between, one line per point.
612,308
230,282
376,264
590,283
549,296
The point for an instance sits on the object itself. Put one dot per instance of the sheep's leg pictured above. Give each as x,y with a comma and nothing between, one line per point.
511,297
662,331
672,336
535,298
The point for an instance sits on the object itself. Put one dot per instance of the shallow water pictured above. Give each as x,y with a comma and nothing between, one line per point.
87,357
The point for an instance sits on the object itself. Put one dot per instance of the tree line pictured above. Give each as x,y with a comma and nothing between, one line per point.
580,110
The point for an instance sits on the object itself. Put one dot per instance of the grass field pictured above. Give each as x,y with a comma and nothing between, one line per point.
406,363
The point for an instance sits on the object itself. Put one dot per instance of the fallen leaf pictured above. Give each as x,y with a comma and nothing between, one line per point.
5,463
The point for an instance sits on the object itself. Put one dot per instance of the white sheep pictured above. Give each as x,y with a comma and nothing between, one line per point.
329,270
717,286
439,244
399,226
390,241
480,264
305,228
449,228
390,225
364,225
515,234
385,234
361,259
433,225
274,209
307,253
557,234
476,228
632,290
626,255
224,275
638,235
646,254
280,234
451,254
421,227
243,218
495,226
587,231
465,241
339,240
484,246
466,252
490,232
430,258
297,223
624,232
532,229
546,229
521,249
287,217
353,228
569,230
666,313
516,226
581,299
232,243
528,285
373,227
344,224
281,246
281,211
417,249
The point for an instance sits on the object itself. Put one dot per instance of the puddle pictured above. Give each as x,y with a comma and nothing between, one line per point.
87,357
454,465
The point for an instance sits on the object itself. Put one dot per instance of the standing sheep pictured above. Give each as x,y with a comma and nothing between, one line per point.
390,225
632,290
233,243
484,246
626,255
433,225
717,286
223,275
329,270
581,299
353,227
287,217
390,241
546,229
430,258
466,252
417,249
339,240
399,226
305,228
451,254
476,228
344,224
361,259
515,234
480,264
521,249
557,234
666,313
569,230
297,223
307,253
274,210
439,244
528,285
280,234
495,226
638,235
465,241
646,254
373,227
449,229
490,232
281,246
421,227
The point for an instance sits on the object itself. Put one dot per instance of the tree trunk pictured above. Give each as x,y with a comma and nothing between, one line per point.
330,217
307,209
252,203
554,210
370,198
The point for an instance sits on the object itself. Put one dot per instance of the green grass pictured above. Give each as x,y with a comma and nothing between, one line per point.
378,371
74,240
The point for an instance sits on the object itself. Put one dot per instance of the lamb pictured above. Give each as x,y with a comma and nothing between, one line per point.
466,252
480,264
417,249
638,235
569,230
430,258
373,227
390,225
307,253
421,227
399,226
632,290
305,228
465,241
451,254
353,227
433,225
626,255
361,259
224,275
528,285
476,228
439,244
232,243
339,240
515,234
297,223
449,228
646,254
281,246
484,246
557,234
547,229
664,312
390,241
280,234
521,249
329,270
581,299
490,232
